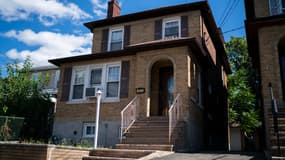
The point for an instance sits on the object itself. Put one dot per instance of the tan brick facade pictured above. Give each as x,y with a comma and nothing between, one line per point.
191,63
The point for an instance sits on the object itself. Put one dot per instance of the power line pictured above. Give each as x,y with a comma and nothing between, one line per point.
225,10
234,29
229,13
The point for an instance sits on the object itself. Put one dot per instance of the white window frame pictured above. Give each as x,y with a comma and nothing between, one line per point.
172,19
83,68
110,36
106,81
84,131
36,76
87,76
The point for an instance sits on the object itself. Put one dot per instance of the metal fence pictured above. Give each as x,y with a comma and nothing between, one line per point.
10,128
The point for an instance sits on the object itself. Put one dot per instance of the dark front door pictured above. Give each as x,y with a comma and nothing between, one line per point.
166,87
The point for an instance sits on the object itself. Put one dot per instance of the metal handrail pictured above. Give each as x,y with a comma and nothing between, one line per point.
274,110
174,115
129,116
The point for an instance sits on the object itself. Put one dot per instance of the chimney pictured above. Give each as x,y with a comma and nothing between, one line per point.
113,9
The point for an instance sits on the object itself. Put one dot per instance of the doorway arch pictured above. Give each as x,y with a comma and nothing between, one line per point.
161,86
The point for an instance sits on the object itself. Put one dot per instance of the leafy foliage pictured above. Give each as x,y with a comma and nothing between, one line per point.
22,96
242,100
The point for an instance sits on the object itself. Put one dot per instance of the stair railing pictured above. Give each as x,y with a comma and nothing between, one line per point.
174,113
274,110
129,116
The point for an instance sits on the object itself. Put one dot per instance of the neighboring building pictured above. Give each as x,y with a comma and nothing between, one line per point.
53,74
149,58
265,27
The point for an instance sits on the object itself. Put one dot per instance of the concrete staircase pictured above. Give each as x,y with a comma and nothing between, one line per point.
145,137
151,133
273,137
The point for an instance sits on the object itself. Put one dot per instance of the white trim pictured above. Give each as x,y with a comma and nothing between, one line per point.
87,70
171,19
85,125
72,82
110,36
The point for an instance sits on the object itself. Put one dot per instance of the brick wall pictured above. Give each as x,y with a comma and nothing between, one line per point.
9,151
261,8
269,67
147,26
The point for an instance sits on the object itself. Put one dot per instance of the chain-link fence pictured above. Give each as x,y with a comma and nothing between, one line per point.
10,128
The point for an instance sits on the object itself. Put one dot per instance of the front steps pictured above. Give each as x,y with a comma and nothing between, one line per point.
116,154
146,136
273,137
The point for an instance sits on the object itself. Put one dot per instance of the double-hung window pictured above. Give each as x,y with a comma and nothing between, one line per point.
90,78
277,7
112,83
96,77
171,28
78,84
88,130
116,39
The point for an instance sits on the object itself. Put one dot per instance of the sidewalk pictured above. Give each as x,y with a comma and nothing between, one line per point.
213,156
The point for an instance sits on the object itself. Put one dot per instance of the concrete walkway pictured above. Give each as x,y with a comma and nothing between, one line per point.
212,156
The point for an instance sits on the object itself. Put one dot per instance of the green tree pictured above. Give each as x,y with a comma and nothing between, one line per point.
22,96
242,100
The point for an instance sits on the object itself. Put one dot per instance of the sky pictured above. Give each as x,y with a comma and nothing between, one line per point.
48,29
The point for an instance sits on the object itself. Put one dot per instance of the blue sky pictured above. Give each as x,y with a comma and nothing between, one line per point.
47,29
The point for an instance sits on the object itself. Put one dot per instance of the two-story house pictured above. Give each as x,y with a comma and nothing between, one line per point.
265,29
53,74
163,73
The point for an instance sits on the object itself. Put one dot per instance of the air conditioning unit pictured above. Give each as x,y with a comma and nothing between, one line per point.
90,92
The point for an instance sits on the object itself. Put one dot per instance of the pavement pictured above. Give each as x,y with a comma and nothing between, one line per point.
212,156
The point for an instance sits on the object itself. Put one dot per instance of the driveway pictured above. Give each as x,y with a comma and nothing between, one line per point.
212,156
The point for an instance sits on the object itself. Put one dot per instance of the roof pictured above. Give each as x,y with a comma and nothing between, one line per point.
158,12
206,13
130,50
44,68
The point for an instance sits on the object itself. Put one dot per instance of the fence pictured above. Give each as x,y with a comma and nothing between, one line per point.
10,128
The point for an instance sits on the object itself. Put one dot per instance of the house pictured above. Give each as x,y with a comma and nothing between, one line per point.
53,78
163,73
265,29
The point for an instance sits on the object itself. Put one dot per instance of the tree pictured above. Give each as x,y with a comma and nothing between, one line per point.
22,96
242,100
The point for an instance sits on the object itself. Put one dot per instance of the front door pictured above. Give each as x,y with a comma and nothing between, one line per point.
166,88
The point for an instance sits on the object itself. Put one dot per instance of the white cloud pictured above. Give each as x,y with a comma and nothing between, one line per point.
50,45
47,11
100,7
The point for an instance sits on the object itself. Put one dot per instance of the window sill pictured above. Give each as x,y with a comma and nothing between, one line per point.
84,101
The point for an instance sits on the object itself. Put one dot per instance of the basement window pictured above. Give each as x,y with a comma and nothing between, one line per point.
88,130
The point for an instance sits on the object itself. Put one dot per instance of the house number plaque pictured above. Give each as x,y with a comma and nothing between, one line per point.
140,90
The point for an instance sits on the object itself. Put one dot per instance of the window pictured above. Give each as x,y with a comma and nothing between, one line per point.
96,76
277,7
36,76
56,79
113,81
88,130
78,85
105,77
283,6
116,39
171,28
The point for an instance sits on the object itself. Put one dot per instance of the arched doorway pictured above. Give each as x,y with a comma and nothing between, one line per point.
161,87
281,50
